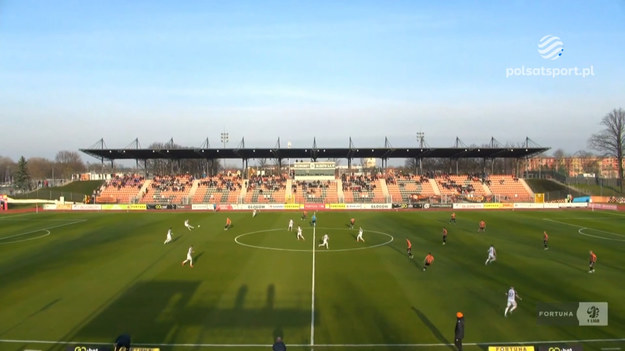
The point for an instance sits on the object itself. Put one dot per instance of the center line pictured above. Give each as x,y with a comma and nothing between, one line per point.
312,303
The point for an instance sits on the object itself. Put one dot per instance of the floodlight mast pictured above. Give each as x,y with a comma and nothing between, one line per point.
421,139
224,140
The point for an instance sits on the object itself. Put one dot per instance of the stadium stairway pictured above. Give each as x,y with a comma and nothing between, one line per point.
527,187
434,185
487,190
244,191
288,192
339,191
384,188
144,189
196,184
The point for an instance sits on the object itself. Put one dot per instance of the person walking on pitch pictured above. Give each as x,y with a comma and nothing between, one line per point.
359,237
228,223
189,257
592,261
459,331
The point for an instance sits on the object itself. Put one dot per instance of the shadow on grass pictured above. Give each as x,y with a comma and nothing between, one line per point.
432,328
159,312
405,254
197,257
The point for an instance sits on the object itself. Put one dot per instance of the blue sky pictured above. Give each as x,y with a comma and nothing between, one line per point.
73,72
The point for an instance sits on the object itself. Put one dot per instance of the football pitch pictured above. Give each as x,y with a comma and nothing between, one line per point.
77,278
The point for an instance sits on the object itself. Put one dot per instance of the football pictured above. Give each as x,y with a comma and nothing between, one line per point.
198,225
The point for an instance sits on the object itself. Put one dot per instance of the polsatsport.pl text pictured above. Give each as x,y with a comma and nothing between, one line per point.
550,72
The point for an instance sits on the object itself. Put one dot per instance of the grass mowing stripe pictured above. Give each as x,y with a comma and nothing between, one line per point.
47,229
244,297
312,303
208,345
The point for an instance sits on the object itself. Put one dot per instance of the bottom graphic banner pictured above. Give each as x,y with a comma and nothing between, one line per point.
572,313
511,348
560,348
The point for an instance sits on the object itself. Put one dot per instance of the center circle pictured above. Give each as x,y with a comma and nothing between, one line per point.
582,231
331,231
22,237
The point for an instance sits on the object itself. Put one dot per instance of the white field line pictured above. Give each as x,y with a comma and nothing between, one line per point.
46,229
208,345
238,240
312,302
582,228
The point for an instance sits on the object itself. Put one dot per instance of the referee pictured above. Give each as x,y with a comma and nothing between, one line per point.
459,331
279,345
122,343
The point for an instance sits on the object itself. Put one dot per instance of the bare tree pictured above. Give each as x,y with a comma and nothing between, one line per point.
411,165
337,161
7,166
160,166
588,162
40,168
559,156
611,140
68,163
262,163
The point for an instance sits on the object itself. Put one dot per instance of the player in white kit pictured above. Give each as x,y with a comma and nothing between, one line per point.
299,233
168,239
325,241
189,257
492,255
512,296
290,225
189,226
359,237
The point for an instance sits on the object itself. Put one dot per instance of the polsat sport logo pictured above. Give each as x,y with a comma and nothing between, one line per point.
550,47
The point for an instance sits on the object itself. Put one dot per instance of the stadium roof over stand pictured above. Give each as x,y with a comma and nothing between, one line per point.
313,153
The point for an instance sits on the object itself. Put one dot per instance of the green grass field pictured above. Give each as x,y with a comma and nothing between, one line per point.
84,278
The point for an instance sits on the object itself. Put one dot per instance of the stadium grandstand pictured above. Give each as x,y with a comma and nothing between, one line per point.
317,181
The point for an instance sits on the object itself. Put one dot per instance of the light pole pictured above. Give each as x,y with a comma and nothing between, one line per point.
224,140
288,145
421,138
